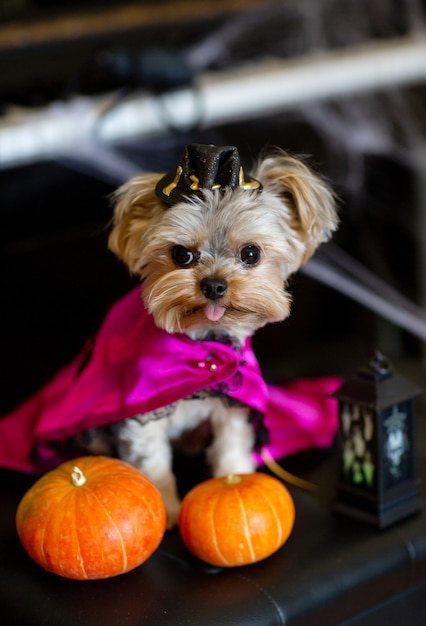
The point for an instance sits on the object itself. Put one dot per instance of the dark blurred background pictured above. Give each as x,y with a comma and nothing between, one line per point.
57,279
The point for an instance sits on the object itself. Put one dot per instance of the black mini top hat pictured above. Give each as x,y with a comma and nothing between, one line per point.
205,167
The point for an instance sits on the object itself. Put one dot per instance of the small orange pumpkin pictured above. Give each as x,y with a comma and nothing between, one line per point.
92,517
236,520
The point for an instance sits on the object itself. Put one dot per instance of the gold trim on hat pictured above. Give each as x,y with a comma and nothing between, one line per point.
169,188
196,184
251,184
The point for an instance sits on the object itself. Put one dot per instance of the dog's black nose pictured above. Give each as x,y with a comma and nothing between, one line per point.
214,288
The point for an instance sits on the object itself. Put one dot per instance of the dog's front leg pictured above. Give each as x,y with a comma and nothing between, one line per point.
233,440
147,447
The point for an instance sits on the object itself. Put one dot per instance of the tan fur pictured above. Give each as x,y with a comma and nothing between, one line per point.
310,199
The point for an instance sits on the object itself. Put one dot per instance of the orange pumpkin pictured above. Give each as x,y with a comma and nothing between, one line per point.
236,520
92,517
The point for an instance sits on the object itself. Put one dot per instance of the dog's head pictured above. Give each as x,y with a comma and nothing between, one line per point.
216,256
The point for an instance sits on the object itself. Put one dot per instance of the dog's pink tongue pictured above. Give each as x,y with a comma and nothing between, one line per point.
214,312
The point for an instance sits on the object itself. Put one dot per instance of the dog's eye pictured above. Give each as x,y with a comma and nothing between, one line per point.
182,256
250,255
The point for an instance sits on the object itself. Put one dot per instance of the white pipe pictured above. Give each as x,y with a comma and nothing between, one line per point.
258,89
402,315
272,86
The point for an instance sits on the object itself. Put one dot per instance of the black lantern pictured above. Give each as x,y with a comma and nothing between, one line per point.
377,482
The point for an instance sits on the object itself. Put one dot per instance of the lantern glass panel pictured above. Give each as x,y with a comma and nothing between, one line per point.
359,446
397,437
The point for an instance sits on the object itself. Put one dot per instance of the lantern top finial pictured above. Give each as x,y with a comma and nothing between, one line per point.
379,367
377,385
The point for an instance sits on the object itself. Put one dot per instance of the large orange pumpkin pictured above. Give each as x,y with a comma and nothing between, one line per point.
236,520
93,517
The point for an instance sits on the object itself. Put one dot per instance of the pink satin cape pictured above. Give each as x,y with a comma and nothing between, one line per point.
135,367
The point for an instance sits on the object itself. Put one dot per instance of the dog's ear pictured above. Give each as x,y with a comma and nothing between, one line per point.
135,205
309,199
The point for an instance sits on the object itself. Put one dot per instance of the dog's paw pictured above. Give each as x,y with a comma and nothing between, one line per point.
233,464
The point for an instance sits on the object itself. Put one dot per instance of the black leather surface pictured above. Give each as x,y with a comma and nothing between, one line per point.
331,571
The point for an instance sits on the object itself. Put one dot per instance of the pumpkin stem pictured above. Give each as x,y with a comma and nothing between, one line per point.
78,479
232,479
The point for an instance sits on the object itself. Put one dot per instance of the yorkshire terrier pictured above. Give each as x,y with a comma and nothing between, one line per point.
214,248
